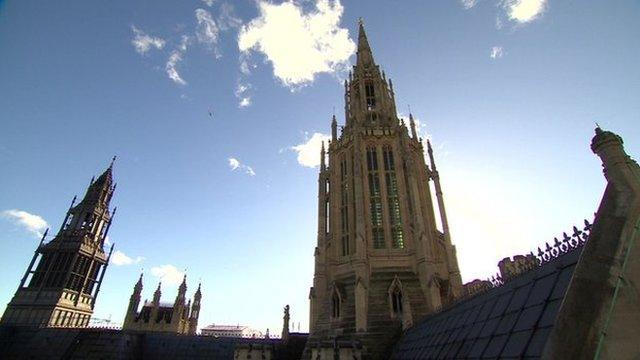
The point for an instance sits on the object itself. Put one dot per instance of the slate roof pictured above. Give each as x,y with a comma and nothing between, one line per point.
511,321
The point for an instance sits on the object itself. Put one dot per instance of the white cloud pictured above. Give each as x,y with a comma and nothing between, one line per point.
175,58
227,19
119,258
235,164
298,44
241,93
524,11
31,222
143,42
207,31
171,68
168,274
209,3
244,67
309,151
244,102
496,52
468,4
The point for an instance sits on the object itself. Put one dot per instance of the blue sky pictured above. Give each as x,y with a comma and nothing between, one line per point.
508,91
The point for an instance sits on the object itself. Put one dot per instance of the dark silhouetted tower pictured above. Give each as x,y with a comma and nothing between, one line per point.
62,281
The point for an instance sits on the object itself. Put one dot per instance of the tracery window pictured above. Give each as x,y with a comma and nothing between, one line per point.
375,199
370,96
87,223
395,220
344,206
327,223
327,187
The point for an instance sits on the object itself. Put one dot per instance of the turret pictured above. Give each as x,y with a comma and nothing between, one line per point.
134,302
195,311
285,324
323,165
436,180
334,127
412,124
156,295
182,292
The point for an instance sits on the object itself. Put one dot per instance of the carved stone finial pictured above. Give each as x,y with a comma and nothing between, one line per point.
285,324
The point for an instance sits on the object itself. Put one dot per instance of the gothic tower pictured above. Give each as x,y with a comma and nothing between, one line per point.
380,262
61,284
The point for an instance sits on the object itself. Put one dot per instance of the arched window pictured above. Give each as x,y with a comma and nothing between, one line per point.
375,198
370,95
395,220
396,298
344,205
336,302
327,187
396,301
87,223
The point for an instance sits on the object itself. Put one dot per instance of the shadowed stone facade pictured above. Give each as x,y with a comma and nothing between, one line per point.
101,344
62,281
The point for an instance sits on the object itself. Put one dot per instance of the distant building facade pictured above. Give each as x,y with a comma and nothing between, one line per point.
62,281
238,331
179,318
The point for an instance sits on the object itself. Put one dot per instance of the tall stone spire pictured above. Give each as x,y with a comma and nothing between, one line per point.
364,54
369,100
